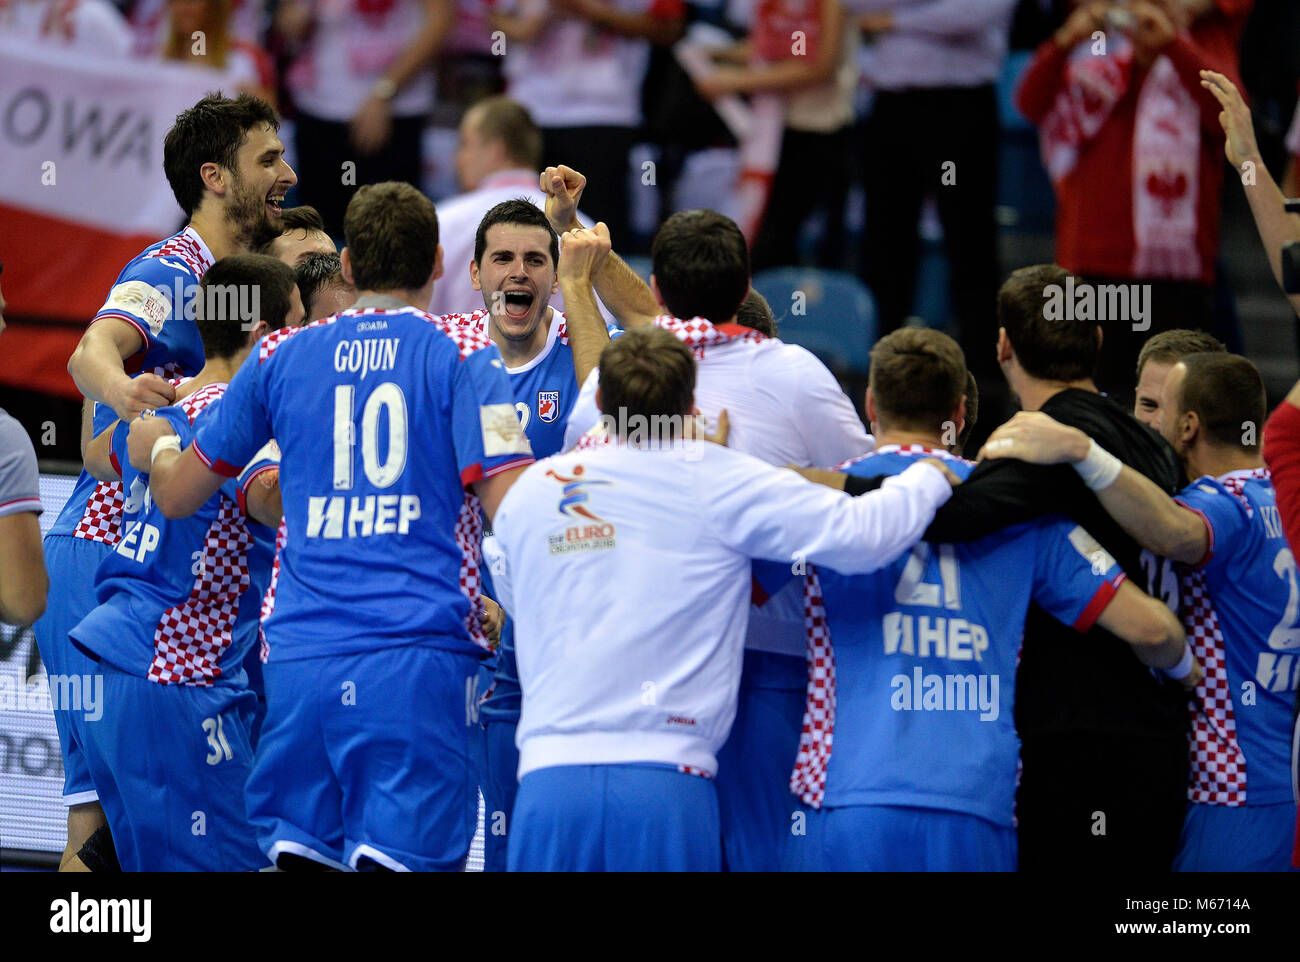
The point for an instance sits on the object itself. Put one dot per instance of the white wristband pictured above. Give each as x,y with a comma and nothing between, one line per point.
1100,468
168,442
1184,666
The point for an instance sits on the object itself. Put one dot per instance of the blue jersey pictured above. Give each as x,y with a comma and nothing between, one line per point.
155,295
178,599
1240,607
383,418
926,652
545,390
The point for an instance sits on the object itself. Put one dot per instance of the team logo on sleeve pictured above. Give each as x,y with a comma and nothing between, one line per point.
548,405
502,432
148,303
597,534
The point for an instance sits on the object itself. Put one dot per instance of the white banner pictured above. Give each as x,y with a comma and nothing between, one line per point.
81,138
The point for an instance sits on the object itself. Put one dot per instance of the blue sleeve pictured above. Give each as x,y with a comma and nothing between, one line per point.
1075,578
1224,515
232,429
485,425
155,295
770,576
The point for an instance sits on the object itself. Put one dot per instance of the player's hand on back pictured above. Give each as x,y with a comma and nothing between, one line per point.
143,392
140,441
563,188
492,619
694,429
947,471
1037,438
582,252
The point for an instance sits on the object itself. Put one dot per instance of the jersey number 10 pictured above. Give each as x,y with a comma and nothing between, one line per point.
386,397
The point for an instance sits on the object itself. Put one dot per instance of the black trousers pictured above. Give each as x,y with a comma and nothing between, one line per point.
323,149
913,139
600,153
1095,803
813,175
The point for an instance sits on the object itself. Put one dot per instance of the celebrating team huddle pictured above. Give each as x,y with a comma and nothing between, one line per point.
346,565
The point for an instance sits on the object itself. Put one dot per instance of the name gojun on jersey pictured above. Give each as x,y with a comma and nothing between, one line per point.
415,409
178,598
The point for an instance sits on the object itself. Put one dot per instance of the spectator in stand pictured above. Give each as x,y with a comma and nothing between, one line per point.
805,51
934,66
1132,144
360,78
148,22
498,159
88,26
198,32
577,66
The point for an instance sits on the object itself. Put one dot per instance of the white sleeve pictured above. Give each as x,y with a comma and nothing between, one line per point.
828,423
494,559
585,415
773,513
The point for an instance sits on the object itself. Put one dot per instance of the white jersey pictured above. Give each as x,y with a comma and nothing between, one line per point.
89,26
348,51
784,407
648,552
577,74
458,220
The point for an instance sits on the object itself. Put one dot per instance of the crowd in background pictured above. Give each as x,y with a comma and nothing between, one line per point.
838,133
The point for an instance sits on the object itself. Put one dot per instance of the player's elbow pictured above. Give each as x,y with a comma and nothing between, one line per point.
23,604
1155,630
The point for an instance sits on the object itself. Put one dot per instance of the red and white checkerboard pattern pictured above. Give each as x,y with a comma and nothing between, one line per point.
186,249
469,534
102,519
192,404
699,333
1218,765
808,780
903,449
469,331
191,637
268,600
692,770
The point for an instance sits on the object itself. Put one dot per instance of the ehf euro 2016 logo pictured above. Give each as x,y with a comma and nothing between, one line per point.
598,534
548,405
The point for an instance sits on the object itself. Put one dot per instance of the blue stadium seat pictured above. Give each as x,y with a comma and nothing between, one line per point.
831,313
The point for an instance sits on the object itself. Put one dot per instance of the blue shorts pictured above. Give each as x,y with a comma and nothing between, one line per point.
889,838
1237,838
615,818
72,563
170,762
363,760
500,783
755,763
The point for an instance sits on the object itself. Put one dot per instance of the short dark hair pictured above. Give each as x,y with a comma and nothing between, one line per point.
647,372
212,131
233,281
517,211
701,265
303,217
1170,347
972,410
918,376
506,120
1048,349
314,272
1227,394
391,232
754,312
